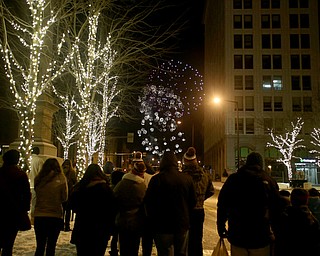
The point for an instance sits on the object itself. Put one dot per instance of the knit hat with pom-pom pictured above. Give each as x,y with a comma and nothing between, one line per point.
137,157
190,156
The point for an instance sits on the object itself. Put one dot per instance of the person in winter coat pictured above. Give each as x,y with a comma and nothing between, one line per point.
314,202
298,232
169,200
93,202
129,193
51,191
15,197
204,189
71,177
246,201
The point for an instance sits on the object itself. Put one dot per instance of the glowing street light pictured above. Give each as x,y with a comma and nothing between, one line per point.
217,100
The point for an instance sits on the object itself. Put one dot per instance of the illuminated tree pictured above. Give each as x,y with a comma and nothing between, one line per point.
287,143
94,133
162,109
175,89
66,125
29,64
315,135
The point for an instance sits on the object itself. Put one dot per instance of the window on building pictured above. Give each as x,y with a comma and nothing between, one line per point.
248,41
278,103
266,61
305,61
247,4
240,120
307,104
237,41
295,61
266,41
249,126
248,61
265,4
249,103
305,41
275,4
276,23
247,21
295,83
239,99
293,4
237,4
294,21
276,41
277,61
296,104
294,41
304,3
238,82
267,125
304,20
278,125
265,21
306,83
277,83
237,21
248,82
266,82
267,103
238,61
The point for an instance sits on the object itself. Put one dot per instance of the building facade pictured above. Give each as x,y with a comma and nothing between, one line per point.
262,60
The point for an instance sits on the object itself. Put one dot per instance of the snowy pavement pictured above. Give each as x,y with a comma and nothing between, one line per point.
25,243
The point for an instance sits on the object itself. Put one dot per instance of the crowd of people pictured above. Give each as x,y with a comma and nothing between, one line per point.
163,208
141,207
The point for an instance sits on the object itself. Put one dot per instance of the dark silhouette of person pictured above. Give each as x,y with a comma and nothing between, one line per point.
93,202
247,201
15,197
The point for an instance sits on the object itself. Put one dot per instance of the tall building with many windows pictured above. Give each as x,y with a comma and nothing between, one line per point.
262,60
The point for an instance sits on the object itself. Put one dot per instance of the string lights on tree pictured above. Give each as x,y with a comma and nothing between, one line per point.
161,108
175,90
287,143
24,47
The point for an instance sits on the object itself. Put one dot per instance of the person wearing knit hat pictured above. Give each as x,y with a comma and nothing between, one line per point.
248,201
129,194
137,157
190,156
204,189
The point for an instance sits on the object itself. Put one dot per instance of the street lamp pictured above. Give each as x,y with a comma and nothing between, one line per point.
217,100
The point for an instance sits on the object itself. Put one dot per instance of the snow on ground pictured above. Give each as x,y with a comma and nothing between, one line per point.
25,245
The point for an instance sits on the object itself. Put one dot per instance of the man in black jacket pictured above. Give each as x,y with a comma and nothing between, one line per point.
246,201
169,200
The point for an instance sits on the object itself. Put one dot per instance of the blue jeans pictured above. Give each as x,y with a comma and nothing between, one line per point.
238,251
172,244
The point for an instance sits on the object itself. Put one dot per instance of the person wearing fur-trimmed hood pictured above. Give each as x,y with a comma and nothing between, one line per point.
204,189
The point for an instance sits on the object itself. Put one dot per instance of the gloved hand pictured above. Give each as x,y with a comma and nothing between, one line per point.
223,232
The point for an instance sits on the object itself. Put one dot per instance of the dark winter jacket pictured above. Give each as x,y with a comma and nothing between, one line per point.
95,207
15,196
298,233
202,182
246,201
129,194
170,198
314,206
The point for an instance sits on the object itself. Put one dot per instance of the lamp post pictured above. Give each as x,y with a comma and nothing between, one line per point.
217,100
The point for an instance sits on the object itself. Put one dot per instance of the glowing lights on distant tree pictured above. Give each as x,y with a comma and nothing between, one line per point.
161,108
184,80
287,143
175,89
